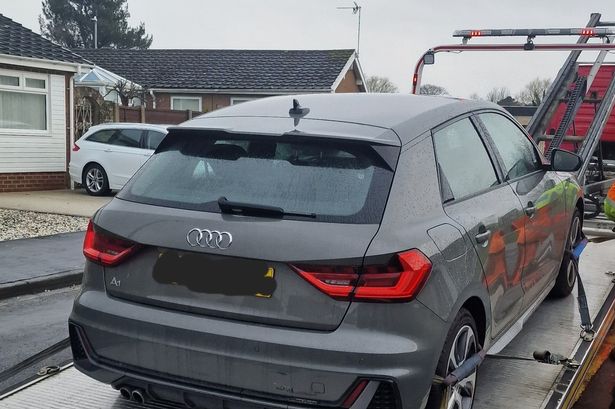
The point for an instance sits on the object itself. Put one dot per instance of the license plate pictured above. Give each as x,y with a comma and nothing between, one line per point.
203,273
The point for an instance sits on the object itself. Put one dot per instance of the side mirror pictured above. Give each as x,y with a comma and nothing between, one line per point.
564,161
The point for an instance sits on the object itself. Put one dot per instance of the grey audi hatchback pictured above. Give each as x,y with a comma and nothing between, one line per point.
321,251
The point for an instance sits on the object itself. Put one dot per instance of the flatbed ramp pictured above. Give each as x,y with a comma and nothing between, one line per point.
502,383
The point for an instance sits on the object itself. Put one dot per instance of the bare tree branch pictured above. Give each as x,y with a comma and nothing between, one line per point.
127,90
380,85
431,89
534,92
497,94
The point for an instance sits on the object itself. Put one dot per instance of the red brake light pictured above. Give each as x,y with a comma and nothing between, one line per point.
105,249
75,147
475,33
399,280
587,32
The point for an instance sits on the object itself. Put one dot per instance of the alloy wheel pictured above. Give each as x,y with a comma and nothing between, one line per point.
461,396
95,180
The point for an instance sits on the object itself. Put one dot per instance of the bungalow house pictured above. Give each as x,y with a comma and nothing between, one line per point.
204,80
36,94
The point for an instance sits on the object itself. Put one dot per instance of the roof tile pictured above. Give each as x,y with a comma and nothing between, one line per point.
16,40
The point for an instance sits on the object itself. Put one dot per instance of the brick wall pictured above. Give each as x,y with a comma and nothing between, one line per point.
212,102
163,101
21,182
348,84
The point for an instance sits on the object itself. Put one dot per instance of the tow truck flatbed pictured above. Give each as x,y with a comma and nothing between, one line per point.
502,383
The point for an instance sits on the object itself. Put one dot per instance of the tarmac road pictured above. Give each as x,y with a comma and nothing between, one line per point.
29,324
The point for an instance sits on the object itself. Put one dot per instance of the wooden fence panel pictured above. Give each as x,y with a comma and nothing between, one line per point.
154,116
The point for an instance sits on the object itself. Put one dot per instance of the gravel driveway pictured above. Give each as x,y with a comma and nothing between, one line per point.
19,224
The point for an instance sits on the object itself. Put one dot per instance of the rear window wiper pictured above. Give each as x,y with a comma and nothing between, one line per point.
252,209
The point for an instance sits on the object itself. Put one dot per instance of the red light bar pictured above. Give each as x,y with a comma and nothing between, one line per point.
533,32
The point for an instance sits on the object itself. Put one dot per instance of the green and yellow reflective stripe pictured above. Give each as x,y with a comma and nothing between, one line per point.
609,207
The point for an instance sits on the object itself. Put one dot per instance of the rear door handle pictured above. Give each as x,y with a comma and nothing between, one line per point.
107,150
530,210
483,237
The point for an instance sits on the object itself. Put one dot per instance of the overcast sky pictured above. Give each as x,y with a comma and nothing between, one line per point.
394,32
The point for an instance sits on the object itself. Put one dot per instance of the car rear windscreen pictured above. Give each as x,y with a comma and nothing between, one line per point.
331,180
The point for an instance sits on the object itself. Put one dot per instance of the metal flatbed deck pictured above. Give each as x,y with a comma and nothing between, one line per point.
501,383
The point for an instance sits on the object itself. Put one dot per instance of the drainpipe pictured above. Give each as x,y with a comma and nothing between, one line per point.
71,116
153,99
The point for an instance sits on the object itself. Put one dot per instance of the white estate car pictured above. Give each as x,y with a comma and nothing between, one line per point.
108,155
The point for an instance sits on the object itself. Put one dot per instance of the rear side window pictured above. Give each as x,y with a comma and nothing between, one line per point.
516,150
153,139
127,137
338,182
101,136
463,162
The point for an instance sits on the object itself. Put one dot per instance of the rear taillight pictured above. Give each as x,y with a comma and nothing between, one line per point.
76,147
104,248
400,279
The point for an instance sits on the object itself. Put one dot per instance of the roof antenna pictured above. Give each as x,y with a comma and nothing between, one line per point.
297,111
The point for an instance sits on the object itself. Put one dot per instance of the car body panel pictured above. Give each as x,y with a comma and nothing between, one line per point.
121,162
545,232
408,223
501,257
270,240
282,362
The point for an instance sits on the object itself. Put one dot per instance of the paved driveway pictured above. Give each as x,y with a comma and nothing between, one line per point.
27,259
70,202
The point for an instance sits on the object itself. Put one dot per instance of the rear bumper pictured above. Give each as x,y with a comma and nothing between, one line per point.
75,172
172,355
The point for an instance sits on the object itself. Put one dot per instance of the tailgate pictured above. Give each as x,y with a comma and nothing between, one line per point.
249,281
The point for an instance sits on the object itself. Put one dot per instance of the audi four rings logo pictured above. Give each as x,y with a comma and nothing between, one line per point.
213,239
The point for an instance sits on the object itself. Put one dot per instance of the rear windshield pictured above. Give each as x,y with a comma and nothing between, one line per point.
343,182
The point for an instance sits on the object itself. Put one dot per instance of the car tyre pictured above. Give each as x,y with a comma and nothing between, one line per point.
95,180
461,343
567,276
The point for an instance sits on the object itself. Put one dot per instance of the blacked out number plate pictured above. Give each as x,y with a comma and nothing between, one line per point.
203,273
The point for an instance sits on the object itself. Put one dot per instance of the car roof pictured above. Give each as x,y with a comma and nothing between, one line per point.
408,115
129,125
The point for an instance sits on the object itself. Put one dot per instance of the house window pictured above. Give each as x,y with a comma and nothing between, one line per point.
35,83
239,100
9,80
186,103
23,101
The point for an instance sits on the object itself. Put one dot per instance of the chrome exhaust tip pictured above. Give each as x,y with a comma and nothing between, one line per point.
125,392
137,396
